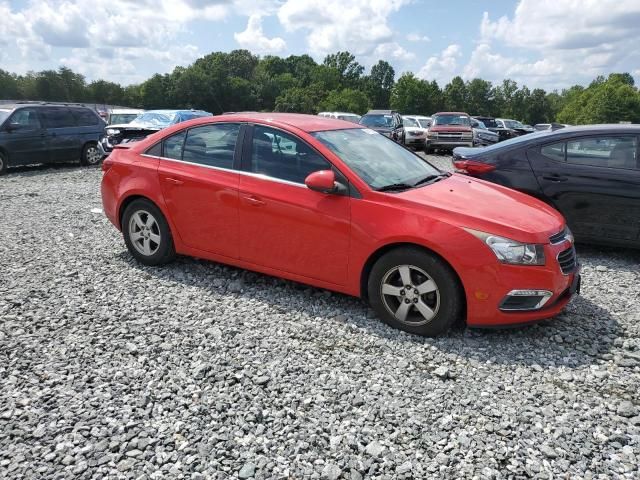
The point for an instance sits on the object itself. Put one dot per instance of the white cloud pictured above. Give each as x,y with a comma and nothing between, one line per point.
254,39
359,26
393,50
416,37
442,67
555,43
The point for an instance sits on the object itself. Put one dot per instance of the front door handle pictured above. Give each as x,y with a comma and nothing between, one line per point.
174,181
555,178
253,200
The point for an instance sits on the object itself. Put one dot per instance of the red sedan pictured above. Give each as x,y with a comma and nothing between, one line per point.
339,206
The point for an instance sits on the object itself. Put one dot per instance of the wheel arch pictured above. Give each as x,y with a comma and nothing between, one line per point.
129,200
376,255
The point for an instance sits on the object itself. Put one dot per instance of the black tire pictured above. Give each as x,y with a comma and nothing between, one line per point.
159,251
90,155
4,163
446,303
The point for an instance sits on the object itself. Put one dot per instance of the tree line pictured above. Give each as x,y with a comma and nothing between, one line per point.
238,81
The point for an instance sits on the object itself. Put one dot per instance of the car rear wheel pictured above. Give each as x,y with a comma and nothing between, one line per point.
147,234
90,155
3,163
415,291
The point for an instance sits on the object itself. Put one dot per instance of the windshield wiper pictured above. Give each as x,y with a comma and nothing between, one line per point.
394,187
432,178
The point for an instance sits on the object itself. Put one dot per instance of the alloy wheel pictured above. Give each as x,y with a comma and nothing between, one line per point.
144,233
410,295
92,155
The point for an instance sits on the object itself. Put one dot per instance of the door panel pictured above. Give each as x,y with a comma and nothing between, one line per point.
201,189
599,202
25,139
292,228
63,134
283,224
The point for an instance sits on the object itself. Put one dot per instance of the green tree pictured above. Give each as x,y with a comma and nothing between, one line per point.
455,95
478,97
345,63
346,100
9,86
411,95
379,84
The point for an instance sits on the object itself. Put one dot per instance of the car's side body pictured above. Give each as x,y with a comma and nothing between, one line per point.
47,133
482,136
282,228
590,174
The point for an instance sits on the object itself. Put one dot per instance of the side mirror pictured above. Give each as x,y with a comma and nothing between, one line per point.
12,127
323,181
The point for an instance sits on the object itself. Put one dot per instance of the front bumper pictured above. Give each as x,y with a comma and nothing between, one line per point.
488,289
416,141
105,147
446,143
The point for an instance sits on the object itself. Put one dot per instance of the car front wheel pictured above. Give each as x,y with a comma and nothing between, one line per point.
147,234
415,291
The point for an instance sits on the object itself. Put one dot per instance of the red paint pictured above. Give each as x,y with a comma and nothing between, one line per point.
324,239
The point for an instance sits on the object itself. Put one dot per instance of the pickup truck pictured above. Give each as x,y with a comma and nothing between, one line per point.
449,130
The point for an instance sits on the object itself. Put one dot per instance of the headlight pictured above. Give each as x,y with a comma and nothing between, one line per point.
112,131
510,251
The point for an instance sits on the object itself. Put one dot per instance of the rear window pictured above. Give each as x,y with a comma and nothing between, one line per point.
58,117
85,117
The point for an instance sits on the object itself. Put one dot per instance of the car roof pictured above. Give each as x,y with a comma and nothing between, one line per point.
13,106
452,113
180,110
304,122
126,110
380,112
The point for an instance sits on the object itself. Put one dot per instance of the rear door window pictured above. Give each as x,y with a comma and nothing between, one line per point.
604,151
173,145
212,145
58,117
554,151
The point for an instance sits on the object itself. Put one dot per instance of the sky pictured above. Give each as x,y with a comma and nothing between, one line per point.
550,44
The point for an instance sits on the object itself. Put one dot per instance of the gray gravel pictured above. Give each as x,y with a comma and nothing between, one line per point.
109,369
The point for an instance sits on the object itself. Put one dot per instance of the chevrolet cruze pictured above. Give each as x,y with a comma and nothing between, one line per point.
339,206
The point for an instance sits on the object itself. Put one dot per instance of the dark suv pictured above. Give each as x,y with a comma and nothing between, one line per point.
387,122
47,133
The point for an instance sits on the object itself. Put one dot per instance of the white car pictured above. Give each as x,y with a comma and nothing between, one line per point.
349,117
118,116
415,127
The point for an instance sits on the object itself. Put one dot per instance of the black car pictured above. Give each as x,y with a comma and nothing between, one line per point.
46,133
387,122
591,174
491,124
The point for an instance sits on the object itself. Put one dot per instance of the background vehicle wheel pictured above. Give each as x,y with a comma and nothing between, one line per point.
415,291
90,155
428,150
147,234
3,163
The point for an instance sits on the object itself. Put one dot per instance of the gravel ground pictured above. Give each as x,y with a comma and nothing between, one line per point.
109,369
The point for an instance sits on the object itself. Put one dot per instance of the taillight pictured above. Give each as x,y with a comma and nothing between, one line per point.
472,167
106,164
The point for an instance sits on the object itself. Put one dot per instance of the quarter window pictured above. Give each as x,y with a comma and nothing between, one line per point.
212,145
279,155
555,151
58,118
85,117
173,146
609,151
26,118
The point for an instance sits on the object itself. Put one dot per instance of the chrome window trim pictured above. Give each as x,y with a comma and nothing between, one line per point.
239,172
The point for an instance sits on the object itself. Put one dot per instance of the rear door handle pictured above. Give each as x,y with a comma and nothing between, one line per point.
253,200
555,178
173,181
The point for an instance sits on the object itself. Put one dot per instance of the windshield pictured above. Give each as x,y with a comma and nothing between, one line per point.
513,124
424,123
410,122
489,122
451,120
4,114
158,119
117,118
349,118
377,121
481,125
376,159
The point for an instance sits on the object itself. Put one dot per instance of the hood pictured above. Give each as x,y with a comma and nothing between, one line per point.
480,205
450,128
137,126
415,129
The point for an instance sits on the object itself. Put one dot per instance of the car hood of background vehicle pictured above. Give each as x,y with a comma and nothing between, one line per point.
136,126
415,129
487,207
449,128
